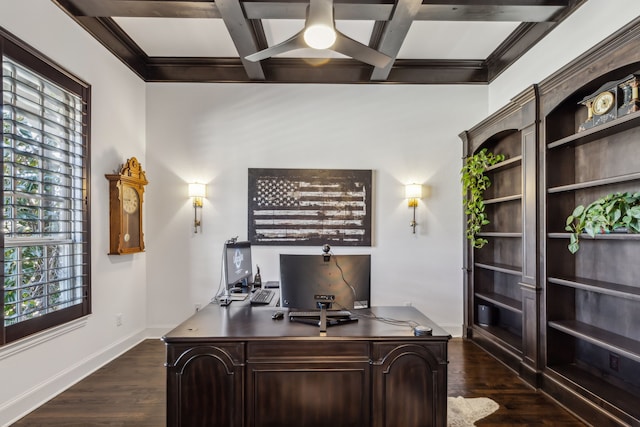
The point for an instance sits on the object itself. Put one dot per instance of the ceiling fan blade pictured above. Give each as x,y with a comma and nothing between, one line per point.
356,50
293,43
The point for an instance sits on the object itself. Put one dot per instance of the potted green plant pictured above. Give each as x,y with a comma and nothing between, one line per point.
617,212
474,183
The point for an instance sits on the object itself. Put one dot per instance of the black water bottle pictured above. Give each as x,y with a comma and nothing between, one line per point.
257,279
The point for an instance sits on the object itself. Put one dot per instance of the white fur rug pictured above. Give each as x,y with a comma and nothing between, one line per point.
463,412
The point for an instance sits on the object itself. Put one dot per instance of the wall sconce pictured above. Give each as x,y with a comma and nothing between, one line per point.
197,192
413,192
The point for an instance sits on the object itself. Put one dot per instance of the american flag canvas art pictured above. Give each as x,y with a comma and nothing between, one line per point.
310,207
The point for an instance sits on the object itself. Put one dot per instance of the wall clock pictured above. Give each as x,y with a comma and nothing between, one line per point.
126,190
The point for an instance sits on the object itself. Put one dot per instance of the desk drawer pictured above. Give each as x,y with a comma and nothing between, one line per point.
297,350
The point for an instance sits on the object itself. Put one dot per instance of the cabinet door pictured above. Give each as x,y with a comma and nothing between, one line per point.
310,384
205,386
409,385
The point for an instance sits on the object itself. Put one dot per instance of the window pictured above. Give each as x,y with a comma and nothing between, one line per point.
45,203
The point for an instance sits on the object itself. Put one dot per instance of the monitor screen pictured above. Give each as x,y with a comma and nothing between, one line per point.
307,279
237,263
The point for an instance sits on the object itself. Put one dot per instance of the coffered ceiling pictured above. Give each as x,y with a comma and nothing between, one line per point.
429,41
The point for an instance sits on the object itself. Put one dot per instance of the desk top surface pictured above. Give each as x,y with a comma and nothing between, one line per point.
241,321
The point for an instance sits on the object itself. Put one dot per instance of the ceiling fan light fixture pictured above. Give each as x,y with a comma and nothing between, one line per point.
319,36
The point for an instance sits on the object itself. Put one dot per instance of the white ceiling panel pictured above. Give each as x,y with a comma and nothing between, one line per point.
180,37
454,40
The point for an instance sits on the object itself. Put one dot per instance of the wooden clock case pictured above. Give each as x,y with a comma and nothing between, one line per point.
126,191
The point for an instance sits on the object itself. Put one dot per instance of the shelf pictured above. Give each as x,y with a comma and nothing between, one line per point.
501,301
503,199
619,125
499,234
505,164
596,386
618,344
599,286
601,236
512,340
595,183
501,268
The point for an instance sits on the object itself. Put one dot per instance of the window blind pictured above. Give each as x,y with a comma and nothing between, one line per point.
45,227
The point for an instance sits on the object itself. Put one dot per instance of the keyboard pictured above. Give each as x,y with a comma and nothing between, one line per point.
261,296
316,313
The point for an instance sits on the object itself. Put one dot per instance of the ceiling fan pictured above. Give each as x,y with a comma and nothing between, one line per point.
319,32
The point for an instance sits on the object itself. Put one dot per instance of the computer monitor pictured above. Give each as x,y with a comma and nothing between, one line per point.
237,262
343,280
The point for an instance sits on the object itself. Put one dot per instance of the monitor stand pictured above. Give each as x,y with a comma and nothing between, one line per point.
323,315
224,299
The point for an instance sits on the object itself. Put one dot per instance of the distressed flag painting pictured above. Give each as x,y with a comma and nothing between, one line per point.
310,207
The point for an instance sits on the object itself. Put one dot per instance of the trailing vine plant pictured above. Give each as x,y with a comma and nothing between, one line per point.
613,212
474,183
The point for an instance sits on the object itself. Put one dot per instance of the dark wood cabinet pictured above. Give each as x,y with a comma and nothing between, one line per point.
406,384
308,385
235,366
592,358
571,327
502,292
206,403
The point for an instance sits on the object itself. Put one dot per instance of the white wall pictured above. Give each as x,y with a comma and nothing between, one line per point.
586,27
213,133
32,375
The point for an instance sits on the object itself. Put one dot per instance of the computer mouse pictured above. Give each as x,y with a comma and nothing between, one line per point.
278,315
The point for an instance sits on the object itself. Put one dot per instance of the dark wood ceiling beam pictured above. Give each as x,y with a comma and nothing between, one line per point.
369,10
342,11
107,32
438,72
242,34
142,8
197,70
481,11
332,71
458,10
522,39
393,34
246,29
516,45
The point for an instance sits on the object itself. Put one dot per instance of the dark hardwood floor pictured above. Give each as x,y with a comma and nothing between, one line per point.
130,391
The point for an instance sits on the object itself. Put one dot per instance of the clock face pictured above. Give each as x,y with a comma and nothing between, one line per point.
603,103
129,200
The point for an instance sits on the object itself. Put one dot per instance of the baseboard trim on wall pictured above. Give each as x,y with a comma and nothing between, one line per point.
28,401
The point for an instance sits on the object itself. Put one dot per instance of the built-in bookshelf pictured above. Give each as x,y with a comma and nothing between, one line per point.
592,296
568,322
494,283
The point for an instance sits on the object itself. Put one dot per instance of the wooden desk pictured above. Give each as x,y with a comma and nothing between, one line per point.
235,366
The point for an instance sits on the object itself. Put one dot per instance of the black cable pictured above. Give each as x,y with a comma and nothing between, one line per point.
388,320
353,290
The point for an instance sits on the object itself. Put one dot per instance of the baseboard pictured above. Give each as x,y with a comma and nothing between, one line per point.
25,403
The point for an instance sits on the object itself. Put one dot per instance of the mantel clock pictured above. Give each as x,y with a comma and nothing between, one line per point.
613,99
126,190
